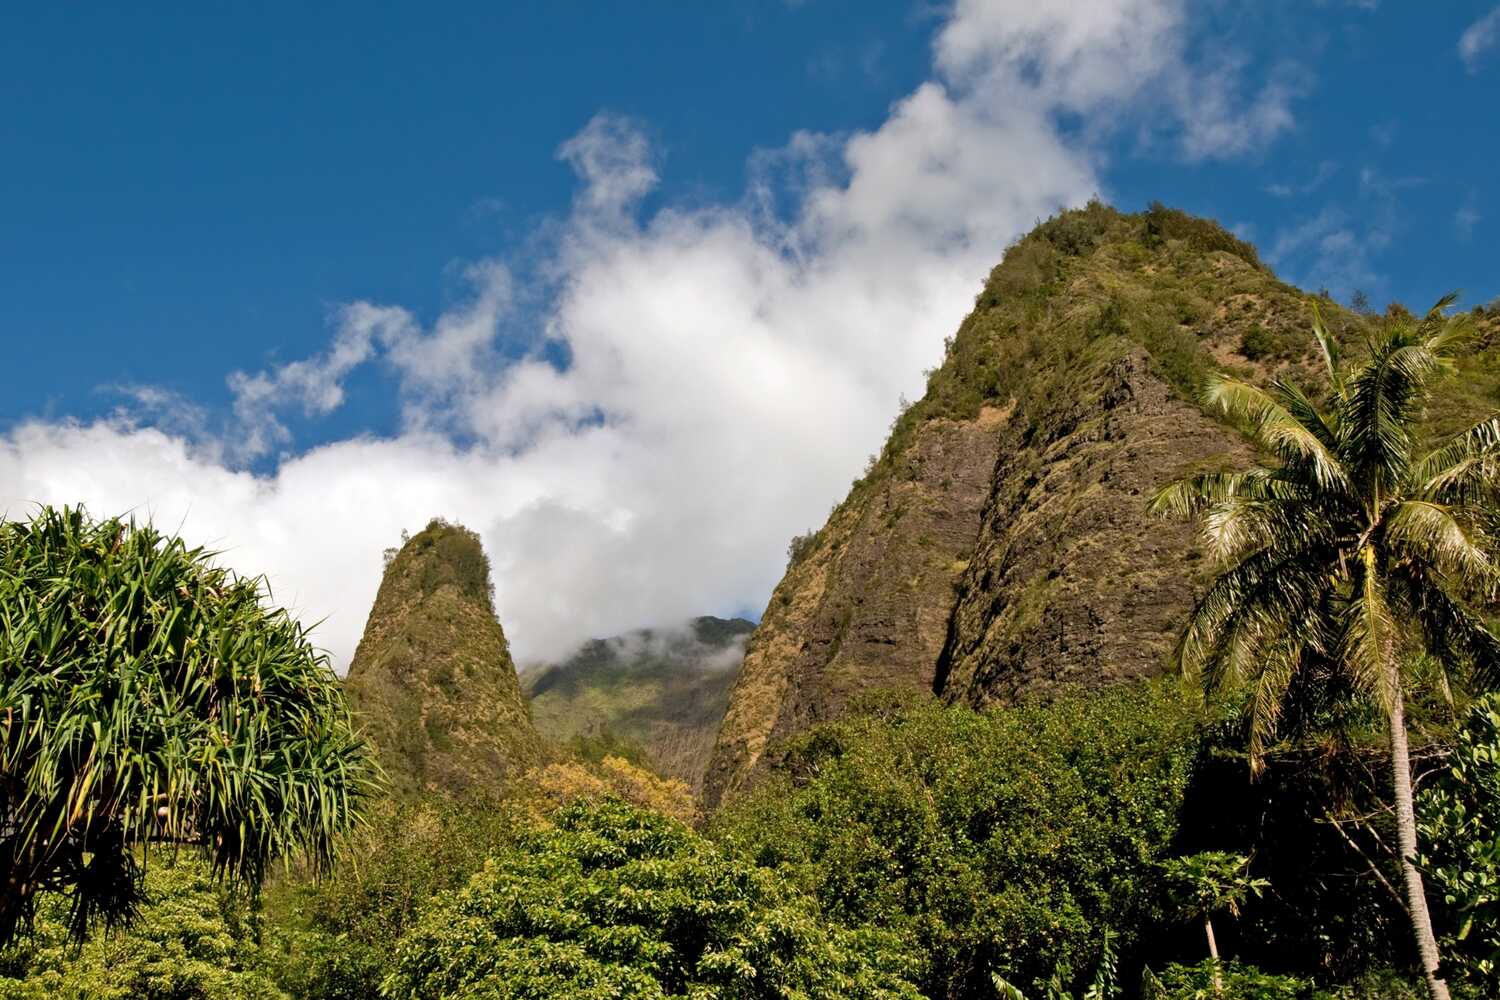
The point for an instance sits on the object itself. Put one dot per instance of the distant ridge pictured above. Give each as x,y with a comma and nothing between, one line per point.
663,690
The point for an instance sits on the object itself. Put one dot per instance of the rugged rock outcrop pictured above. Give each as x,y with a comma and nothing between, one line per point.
866,603
432,680
1071,580
1000,546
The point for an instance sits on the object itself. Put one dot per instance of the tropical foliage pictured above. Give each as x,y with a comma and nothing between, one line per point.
1353,539
166,733
148,696
616,901
1460,827
1009,842
193,940
1206,883
331,938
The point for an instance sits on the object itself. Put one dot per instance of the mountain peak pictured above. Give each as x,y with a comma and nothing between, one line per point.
999,546
432,680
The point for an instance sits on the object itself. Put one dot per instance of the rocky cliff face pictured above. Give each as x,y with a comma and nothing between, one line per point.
866,603
1000,545
432,680
663,690
1070,581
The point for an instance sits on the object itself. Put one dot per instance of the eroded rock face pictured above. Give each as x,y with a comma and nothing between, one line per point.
1072,582
867,607
432,681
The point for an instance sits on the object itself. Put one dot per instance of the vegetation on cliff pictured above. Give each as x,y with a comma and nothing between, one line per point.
999,545
1005,842
432,682
613,901
1061,822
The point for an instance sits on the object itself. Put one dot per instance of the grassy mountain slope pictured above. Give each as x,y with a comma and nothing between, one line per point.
1000,545
432,680
664,690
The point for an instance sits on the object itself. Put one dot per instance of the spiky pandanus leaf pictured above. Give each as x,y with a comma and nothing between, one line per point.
149,697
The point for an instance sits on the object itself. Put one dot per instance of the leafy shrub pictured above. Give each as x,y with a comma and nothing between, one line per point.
1258,342
459,560
1005,842
564,782
1246,982
193,940
616,901
1163,223
1236,982
1460,836
594,746
800,547
331,939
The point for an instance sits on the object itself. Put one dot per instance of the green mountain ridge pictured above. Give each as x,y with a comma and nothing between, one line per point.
664,690
999,546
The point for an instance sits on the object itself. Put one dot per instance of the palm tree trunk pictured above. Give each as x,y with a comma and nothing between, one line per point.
1406,840
1213,953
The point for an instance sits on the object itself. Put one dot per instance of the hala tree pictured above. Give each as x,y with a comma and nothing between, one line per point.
149,697
1349,542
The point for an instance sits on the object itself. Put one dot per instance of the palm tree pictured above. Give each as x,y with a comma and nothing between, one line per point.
1349,542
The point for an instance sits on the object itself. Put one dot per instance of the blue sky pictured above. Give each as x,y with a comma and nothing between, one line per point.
253,260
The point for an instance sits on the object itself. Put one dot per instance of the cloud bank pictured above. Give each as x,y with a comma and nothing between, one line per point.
699,383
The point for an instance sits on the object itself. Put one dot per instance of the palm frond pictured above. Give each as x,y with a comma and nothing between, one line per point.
1305,412
1439,308
1238,526
1432,532
1454,634
1330,349
1253,600
1466,468
1367,647
1386,395
1267,422
1191,495
1443,334
1268,696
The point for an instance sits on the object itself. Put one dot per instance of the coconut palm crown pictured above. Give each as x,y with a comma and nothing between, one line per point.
1351,545
149,697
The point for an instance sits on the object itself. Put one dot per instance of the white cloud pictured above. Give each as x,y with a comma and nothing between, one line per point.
1478,38
729,365
1125,56
1331,250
